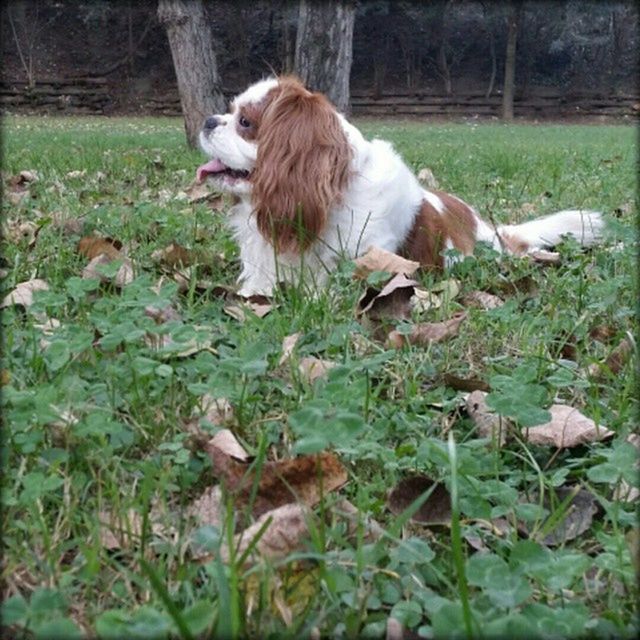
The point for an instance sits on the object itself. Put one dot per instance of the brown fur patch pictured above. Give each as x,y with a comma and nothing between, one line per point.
253,113
432,229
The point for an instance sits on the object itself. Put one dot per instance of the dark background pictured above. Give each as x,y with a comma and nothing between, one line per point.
566,48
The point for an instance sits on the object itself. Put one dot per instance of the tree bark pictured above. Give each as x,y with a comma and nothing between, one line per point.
508,91
324,48
194,60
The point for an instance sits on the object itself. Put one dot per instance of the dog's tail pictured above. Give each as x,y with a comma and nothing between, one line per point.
584,226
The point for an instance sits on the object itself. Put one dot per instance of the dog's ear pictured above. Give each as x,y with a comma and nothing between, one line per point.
302,166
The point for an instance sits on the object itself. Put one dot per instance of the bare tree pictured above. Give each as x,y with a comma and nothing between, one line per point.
324,48
513,19
194,60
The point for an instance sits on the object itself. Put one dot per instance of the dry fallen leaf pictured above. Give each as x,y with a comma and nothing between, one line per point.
441,293
226,442
68,225
465,384
175,255
482,299
162,315
567,428
624,491
76,174
393,301
119,532
284,534
18,187
208,509
260,306
436,510
93,246
376,259
22,295
578,516
615,361
124,275
288,345
603,333
200,191
427,333
488,424
427,179
302,479
312,368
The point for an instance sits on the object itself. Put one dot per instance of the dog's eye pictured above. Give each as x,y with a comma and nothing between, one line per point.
243,122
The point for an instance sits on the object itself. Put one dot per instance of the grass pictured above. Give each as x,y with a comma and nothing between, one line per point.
95,420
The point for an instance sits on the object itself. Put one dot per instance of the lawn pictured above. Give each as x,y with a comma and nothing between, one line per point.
105,417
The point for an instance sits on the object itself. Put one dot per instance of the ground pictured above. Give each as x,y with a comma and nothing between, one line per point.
98,419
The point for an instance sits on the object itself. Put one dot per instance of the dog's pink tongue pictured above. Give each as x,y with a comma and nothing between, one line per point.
213,166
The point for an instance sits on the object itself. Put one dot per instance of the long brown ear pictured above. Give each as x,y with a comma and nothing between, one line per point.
302,166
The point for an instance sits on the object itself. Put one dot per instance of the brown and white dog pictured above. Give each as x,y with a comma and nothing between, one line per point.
309,190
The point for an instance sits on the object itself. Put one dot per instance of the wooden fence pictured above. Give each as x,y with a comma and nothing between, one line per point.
96,96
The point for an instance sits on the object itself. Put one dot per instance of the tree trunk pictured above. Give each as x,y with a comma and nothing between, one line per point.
324,48
194,60
510,60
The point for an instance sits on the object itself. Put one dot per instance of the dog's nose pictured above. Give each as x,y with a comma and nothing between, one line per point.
211,123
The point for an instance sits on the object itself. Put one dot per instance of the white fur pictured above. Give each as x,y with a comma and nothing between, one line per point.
378,208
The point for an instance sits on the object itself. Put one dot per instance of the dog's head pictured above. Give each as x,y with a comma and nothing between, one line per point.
286,148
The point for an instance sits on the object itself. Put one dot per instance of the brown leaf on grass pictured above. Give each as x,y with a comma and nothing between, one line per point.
567,428
577,518
258,305
18,187
440,293
393,301
482,300
603,333
487,423
615,361
48,328
465,384
380,260
123,277
496,527
208,509
27,175
436,510
356,520
119,532
427,333
19,232
201,192
22,295
226,442
288,345
525,285
68,225
217,411
162,315
428,180
312,368
624,491
93,246
174,255
303,479
283,535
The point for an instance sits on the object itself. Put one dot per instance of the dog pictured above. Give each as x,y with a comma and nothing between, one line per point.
309,190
